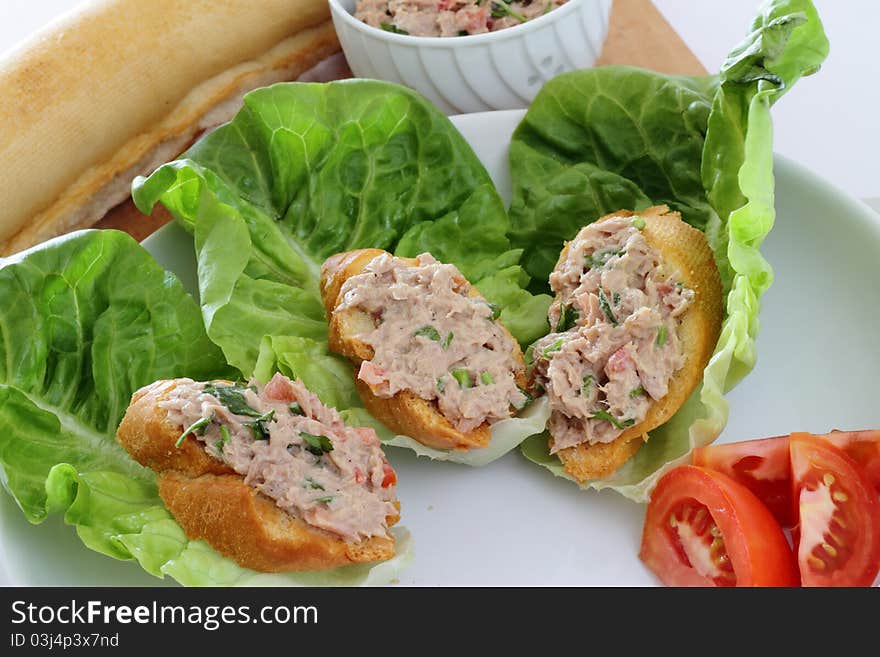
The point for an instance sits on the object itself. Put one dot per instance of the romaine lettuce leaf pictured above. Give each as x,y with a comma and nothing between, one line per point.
305,171
89,319
595,141
599,140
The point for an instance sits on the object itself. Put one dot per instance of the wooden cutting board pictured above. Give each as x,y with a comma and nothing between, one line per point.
638,35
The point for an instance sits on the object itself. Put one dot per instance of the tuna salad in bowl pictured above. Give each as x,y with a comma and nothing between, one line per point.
503,54
450,18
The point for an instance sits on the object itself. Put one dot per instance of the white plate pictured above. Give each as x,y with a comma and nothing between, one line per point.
513,523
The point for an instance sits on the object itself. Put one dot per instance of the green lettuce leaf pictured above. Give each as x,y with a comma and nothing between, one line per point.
305,171
91,318
596,141
599,140
126,519
329,376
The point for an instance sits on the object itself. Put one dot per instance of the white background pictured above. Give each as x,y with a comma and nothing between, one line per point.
828,122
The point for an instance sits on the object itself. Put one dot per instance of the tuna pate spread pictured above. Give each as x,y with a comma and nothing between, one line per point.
444,18
432,338
292,448
615,344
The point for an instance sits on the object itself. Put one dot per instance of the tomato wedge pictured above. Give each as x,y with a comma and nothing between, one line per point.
838,538
702,528
764,466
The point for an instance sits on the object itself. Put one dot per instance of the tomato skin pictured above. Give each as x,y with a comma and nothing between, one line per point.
863,447
763,466
755,544
837,507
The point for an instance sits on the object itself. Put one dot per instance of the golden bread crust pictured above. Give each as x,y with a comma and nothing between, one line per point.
212,502
685,249
404,413
408,414
248,527
585,462
150,438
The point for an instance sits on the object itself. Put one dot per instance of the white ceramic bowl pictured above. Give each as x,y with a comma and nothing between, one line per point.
498,70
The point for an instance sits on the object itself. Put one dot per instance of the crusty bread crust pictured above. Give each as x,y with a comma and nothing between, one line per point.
685,249
404,413
585,462
117,87
146,434
212,502
249,528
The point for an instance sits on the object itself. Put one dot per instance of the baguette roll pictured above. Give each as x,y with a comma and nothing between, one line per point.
117,87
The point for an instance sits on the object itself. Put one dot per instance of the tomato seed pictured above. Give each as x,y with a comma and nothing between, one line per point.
701,521
832,552
828,478
838,496
692,527
816,563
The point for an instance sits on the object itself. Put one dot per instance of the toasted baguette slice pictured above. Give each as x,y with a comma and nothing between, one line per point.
685,249
212,502
404,413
